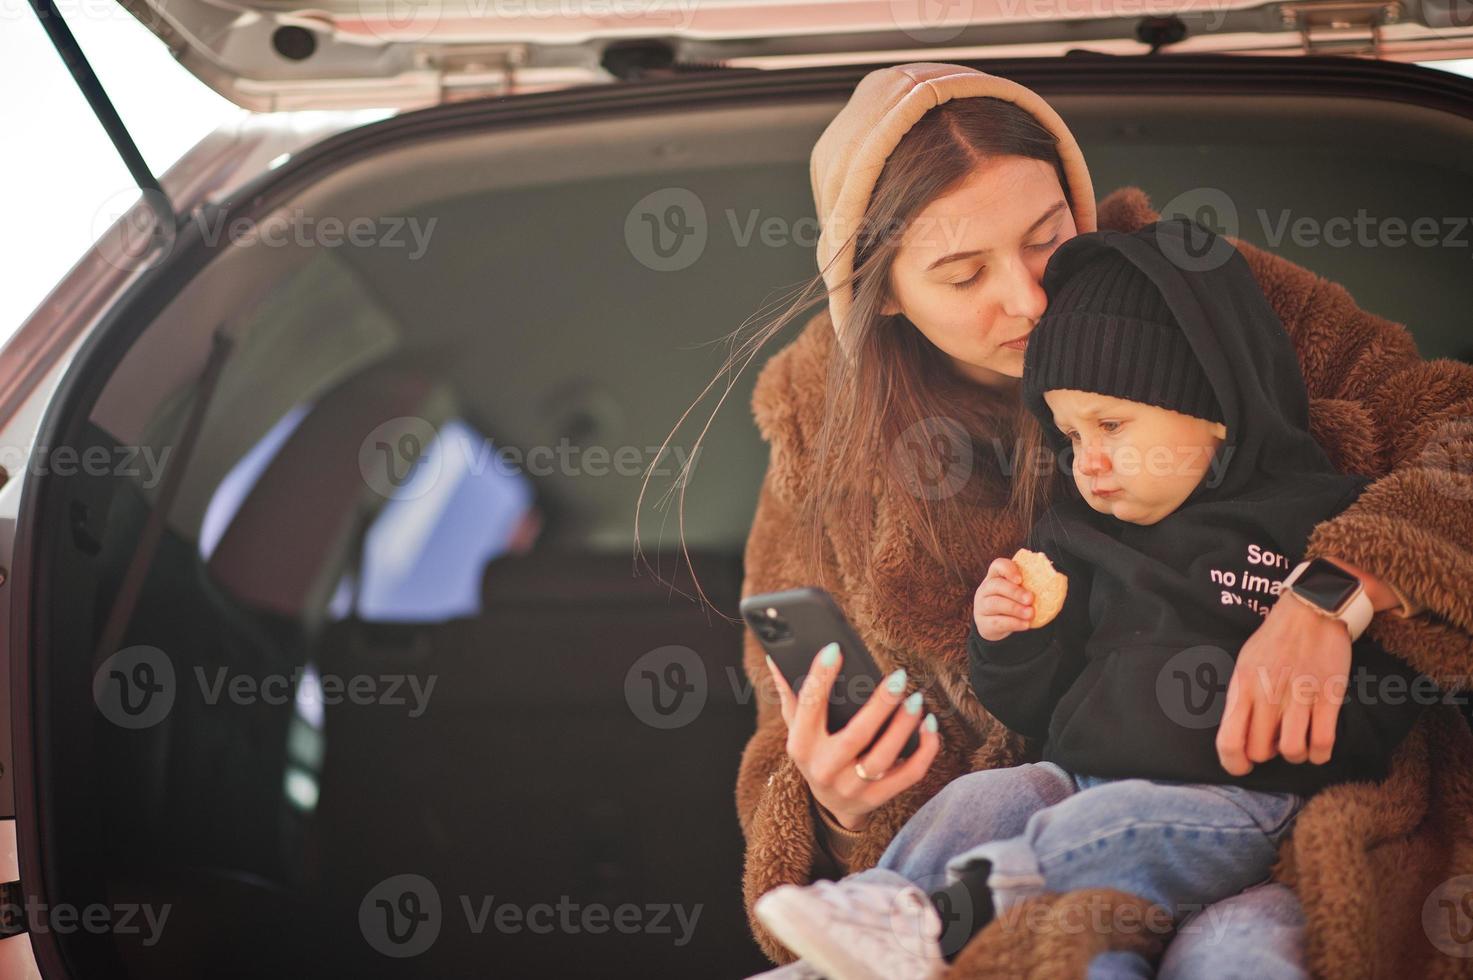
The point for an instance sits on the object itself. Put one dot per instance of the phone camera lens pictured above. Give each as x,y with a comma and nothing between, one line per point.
769,626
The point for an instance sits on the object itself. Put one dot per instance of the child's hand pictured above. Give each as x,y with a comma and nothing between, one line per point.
1002,606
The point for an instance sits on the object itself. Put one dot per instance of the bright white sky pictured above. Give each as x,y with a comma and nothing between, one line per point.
60,170
58,164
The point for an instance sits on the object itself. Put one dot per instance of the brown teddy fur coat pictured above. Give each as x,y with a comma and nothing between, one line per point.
1375,866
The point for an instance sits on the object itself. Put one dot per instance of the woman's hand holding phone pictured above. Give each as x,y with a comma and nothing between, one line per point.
1001,605
827,761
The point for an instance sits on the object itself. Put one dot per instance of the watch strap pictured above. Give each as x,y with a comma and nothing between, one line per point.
1357,613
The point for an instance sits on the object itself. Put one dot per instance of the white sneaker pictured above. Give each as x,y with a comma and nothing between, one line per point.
797,970
857,930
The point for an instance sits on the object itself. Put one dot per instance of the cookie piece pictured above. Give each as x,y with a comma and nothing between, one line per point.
1048,585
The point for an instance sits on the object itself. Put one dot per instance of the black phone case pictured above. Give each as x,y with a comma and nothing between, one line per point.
810,619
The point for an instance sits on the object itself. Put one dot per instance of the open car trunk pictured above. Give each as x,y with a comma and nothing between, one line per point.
574,740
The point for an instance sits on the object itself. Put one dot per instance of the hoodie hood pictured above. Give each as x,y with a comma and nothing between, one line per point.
851,152
1132,680
1236,336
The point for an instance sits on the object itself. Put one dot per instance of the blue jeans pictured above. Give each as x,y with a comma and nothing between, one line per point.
1183,846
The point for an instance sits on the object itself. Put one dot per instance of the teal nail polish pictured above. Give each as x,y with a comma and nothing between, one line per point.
930,723
895,683
913,704
829,655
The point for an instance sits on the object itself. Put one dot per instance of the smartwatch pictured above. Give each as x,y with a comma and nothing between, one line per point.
1331,591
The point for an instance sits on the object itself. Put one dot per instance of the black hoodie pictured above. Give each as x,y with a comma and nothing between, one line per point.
1130,679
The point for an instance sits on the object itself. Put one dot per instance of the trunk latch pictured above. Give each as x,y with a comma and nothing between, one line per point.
1341,26
12,910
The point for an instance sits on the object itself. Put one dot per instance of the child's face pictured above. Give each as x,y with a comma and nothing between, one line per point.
1135,462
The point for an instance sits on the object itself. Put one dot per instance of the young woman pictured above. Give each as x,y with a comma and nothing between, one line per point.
902,464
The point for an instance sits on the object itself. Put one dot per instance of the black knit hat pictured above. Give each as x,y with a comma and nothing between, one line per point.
1108,329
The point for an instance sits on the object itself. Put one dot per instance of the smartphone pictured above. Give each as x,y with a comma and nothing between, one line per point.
793,625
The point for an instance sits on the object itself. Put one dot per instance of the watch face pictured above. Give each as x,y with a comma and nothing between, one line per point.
1326,584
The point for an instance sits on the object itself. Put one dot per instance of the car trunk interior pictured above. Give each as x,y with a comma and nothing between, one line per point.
540,770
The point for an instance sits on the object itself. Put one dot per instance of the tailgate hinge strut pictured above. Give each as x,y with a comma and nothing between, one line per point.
86,79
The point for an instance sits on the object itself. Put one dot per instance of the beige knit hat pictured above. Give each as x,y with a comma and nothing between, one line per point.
848,157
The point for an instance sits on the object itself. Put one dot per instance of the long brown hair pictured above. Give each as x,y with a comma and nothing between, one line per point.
893,384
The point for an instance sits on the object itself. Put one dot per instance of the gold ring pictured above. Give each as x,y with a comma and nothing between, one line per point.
860,772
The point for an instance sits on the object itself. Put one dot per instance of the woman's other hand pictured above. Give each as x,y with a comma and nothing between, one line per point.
1001,605
1286,690
1289,682
827,761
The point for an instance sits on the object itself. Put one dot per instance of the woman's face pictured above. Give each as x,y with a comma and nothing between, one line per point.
968,269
